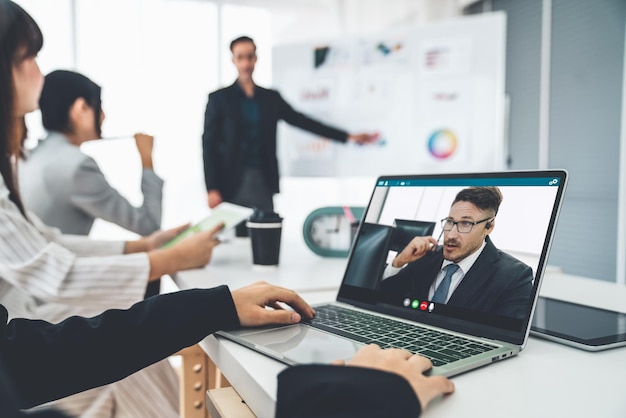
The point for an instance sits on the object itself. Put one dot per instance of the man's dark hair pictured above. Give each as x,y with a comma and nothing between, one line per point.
241,39
484,198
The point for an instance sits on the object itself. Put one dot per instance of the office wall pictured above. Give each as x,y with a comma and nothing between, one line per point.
584,117
585,108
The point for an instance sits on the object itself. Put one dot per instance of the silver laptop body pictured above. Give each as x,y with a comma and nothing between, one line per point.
487,317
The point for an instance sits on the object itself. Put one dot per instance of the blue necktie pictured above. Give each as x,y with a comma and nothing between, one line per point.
441,294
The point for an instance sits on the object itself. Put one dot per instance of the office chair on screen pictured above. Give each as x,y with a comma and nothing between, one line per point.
405,230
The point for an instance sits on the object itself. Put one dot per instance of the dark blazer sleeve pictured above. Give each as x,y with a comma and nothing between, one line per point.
317,391
300,120
212,130
47,361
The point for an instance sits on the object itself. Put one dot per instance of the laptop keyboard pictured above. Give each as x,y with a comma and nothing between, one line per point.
441,348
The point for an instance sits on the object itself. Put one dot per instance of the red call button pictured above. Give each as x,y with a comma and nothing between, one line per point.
424,306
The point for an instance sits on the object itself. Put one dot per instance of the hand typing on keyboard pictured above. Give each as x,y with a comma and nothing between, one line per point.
408,365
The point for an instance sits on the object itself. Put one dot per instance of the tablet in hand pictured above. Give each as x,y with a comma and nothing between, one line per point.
227,213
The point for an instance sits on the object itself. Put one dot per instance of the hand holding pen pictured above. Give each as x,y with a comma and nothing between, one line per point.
144,144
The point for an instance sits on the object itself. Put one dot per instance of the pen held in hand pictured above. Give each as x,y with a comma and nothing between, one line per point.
107,138
434,247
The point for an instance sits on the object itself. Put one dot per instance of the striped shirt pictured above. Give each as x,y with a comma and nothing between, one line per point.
47,275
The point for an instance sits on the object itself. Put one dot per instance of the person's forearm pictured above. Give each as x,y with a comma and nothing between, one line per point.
136,246
146,162
162,261
303,121
165,261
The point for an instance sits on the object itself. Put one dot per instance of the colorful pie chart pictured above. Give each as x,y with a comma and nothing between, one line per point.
442,144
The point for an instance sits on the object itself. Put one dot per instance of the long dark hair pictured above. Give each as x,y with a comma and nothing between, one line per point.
20,38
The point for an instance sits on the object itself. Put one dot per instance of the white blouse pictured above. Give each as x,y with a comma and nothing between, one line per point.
47,275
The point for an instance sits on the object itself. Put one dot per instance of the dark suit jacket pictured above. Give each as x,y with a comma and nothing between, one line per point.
497,282
224,143
40,362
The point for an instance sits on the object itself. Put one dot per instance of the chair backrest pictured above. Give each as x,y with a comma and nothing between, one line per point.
369,255
405,230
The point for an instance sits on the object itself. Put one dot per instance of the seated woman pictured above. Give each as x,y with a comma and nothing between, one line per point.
62,185
47,275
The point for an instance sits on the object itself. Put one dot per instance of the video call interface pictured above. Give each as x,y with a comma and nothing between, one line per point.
402,209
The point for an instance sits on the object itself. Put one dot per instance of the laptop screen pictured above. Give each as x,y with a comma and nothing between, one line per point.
464,251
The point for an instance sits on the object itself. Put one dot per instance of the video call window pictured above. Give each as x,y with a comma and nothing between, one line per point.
521,223
519,232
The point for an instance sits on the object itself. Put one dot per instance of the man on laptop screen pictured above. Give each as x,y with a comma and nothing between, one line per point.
467,271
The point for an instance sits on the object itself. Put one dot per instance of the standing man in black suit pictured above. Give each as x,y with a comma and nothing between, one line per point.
239,140
468,271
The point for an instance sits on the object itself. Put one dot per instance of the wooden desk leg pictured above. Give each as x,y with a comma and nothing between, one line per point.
198,374
194,382
216,378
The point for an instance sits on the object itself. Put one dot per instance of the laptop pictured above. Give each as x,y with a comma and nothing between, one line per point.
487,314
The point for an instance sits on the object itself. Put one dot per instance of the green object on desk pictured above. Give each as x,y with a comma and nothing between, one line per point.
226,213
329,231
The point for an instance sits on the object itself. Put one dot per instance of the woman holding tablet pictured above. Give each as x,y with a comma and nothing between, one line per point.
45,274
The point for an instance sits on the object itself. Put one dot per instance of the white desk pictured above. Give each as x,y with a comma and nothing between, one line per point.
545,380
299,268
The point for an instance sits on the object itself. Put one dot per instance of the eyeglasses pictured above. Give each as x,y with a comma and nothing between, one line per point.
464,227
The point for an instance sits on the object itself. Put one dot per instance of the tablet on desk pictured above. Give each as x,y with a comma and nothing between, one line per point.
227,213
580,326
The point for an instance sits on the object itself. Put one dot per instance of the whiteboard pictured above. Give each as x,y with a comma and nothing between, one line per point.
435,94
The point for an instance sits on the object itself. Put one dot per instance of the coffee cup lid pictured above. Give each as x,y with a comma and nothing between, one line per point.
265,216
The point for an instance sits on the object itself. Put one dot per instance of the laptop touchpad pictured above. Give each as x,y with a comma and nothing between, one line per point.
302,344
